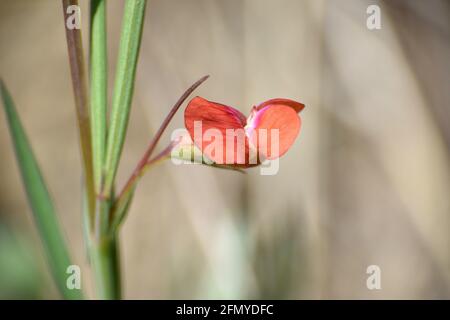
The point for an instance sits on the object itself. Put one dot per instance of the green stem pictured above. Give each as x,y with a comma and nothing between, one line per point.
106,267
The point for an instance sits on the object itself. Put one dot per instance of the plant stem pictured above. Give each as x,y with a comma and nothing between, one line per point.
120,208
79,83
106,267
152,145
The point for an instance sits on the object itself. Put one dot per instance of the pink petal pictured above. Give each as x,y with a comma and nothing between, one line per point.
282,118
217,118
297,106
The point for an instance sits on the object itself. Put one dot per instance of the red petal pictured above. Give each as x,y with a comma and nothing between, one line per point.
218,118
297,106
275,116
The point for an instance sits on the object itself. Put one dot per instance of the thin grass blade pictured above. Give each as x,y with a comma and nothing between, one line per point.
123,88
99,75
39,200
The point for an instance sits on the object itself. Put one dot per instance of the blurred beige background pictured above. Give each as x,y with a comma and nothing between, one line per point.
367,182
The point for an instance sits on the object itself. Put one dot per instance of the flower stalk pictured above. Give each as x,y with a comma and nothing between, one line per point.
125,195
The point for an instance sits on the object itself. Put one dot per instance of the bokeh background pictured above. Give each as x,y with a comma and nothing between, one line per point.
367,182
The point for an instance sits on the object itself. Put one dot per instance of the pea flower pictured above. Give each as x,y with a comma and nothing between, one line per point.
226,137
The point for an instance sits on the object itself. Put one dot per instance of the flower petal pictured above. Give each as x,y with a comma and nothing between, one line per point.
269,121
297,106
214,122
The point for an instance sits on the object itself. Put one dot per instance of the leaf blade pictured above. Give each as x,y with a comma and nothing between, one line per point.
123,88
99,75
39,199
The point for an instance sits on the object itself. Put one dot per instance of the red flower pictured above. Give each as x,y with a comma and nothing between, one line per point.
226,136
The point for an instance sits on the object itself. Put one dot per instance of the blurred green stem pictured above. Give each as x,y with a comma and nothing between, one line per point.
106,267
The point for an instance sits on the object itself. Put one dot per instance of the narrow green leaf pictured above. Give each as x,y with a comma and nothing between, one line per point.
99,75
121,208
123,87
39,200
